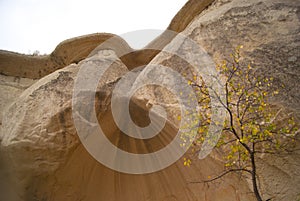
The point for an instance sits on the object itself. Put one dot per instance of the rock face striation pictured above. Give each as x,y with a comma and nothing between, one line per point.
42,157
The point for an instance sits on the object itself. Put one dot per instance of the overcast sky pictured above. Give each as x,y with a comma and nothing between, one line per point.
29,25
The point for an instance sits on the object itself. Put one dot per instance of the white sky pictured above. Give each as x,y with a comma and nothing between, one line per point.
29,25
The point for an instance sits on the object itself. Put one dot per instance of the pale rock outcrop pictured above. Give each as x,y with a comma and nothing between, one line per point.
11,87
269,32
43,159
67,52
76,49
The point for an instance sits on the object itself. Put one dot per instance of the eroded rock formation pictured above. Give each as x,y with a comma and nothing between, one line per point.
42,157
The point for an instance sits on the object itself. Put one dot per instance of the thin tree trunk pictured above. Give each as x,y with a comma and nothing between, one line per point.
254,180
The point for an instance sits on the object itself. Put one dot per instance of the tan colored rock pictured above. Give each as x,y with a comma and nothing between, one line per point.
269,32
76,49
11,87
67,52
46,160
43,159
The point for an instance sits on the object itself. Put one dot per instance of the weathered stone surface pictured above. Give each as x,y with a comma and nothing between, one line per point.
67,52
269,32
43,159
76,49
11,87
46,160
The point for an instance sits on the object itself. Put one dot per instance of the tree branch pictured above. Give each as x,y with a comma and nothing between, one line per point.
222,175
